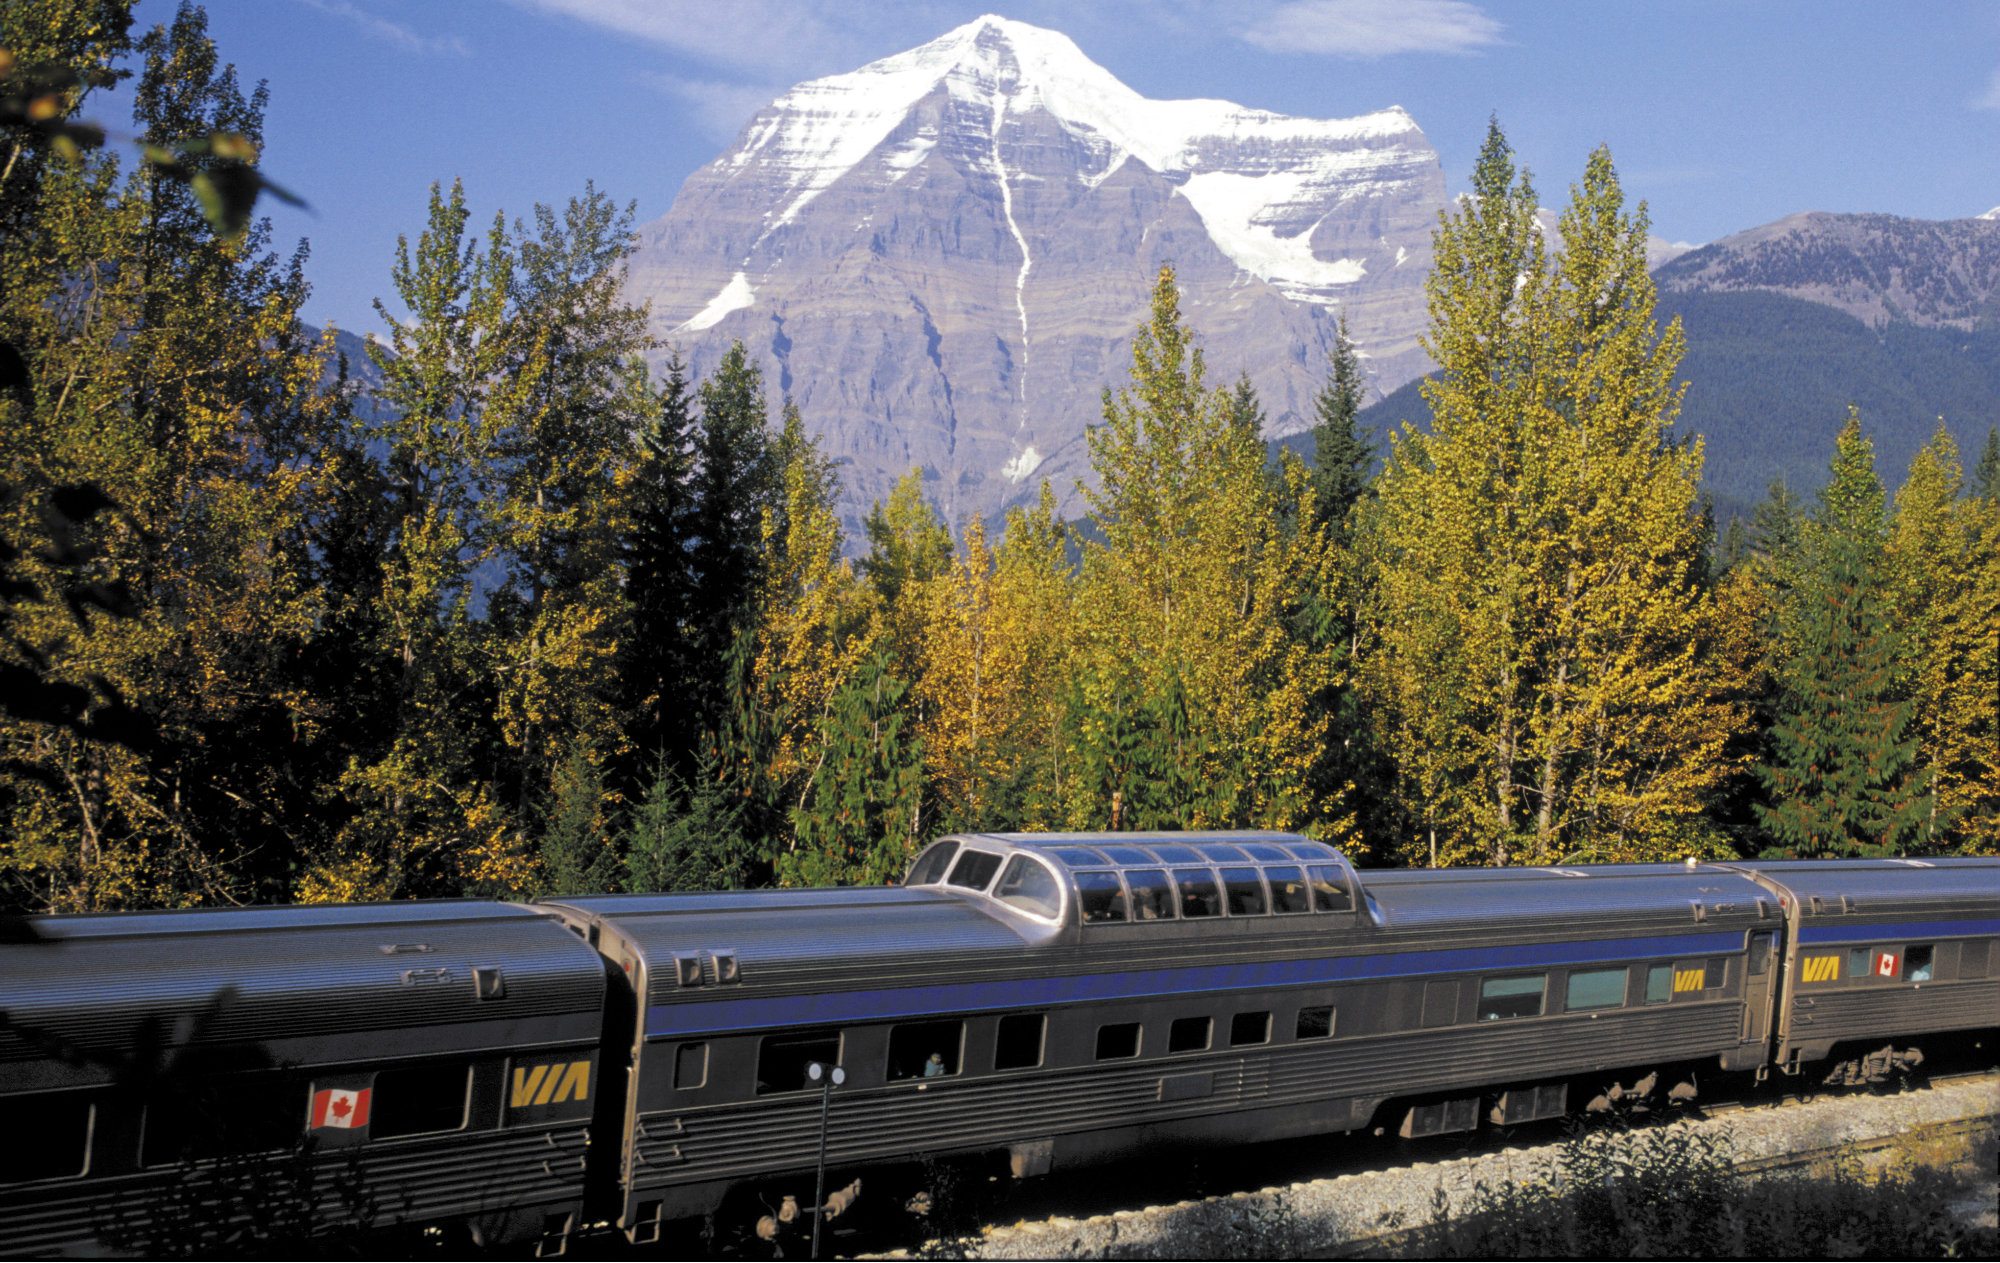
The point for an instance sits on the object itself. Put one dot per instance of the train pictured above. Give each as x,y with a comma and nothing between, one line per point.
521,1073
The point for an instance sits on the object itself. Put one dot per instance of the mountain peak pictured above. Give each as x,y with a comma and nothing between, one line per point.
1992,214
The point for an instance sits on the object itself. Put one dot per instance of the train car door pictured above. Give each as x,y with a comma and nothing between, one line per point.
1759,985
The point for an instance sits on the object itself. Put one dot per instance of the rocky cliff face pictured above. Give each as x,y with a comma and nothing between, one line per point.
942,256
1880,269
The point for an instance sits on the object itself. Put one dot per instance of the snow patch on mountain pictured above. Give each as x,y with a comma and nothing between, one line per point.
819,131
735,296
1992,214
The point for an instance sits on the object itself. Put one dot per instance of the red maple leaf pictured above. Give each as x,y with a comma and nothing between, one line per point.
341,1107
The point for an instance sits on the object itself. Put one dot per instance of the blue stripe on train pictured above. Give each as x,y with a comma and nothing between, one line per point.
1889,933
837,1008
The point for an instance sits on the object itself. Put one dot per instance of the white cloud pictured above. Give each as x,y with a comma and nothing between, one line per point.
390,32
1989,99
720,108
782,38
1373,28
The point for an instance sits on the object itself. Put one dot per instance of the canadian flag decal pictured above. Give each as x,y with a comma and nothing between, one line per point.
340,1107
1885,964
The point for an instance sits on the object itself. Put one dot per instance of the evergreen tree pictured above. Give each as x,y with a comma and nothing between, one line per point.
659,666
687,833
1986,474
736,485
860,819
1843,777
909,548
1343,450
576,855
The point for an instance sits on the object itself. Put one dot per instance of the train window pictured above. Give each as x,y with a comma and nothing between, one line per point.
1030,887
931,865
1018,1043
782,1059
1919,963
974,870
1128,855
1315,1022
1101,897
1972,960
1190,1034
925,1050
1511,997
1288,890
1659,984
1440,1003
419,1100
1311,851
1152,895
1245,888
1860,962
1714,973
1176,854
205,1118
1119,1039
1200,896
1249,1028
1329,886
1222,851
691,1066
1077,857
1595,989
1266,852
51,1132
1760,953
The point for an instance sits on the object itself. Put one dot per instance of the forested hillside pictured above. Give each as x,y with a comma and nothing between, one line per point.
507,614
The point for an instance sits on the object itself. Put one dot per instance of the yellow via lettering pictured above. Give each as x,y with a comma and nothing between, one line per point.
550,1084
1688,980
526,1080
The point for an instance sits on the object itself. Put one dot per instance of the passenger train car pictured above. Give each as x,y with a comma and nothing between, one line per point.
1043,1000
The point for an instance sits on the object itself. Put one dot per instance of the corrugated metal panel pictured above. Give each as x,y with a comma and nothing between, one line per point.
285,978
780,1133
1873,1013
1604,894
1885,886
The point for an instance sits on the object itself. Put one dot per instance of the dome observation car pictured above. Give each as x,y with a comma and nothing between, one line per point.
1129,879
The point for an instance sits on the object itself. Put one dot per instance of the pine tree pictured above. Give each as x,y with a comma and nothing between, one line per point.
860,820
575,846
1986,474
1925,566
1842,780
736,486
658,663
1343,450
687,832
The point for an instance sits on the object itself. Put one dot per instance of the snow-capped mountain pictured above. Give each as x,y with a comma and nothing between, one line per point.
1992,214
942,256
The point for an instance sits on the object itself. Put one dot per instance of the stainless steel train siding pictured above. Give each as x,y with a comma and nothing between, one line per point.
1252,1023
387,1047
1885,950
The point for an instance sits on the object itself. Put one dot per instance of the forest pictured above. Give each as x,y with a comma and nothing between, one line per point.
525,617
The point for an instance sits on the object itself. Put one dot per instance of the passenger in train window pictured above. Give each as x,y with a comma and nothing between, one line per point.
1152,895
1919,963
934,1068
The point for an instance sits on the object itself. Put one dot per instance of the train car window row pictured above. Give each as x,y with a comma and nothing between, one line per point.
51,1133
1595,989
782,1059
1117,1040
691,1066
222,1116
1190,1034
1517,996
1019,1041
1249,1028
1157,895
420,1100
925,1050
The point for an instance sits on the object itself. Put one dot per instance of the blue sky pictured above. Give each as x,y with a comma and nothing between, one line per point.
1721,115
